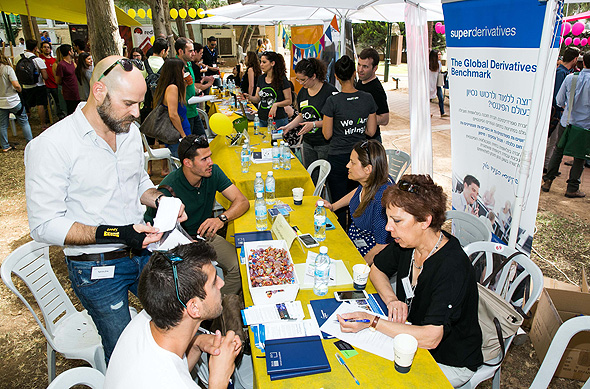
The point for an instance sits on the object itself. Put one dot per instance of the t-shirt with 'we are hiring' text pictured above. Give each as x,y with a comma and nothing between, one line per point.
350,112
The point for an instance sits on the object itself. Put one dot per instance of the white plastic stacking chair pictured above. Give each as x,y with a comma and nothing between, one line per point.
398,161
78,376
325,168
156,154
468,228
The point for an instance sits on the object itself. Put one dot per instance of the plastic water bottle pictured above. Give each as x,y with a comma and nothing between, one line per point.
245,157
286,154
272,126
322,272
256,125
247,144
260,212
281,156
258,184
276,156
319,222
270,188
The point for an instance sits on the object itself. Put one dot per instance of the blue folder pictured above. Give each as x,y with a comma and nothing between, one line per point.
294,357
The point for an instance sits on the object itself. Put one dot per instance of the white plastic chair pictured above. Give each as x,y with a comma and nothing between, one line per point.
562,337
468,228
325,168
155,154
202,114
506,288
398,161
78,376
68,331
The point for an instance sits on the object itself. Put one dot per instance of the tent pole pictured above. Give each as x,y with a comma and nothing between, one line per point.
29,20
387,52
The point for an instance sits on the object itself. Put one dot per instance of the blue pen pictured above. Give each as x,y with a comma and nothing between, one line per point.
344,364
356,320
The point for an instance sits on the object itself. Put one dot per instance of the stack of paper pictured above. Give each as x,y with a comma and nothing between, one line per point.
268,313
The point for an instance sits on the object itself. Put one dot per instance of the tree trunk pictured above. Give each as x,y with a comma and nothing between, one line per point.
161,20
103,31
181,27
189,27
245,37
28,34
430,29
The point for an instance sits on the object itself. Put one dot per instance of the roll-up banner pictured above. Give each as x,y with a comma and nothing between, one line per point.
494,51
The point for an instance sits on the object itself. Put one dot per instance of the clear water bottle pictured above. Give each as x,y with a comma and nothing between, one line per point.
258,184
272,126
319,222
245,157
260,212
322,272
276,156
247,144
281,156
270,188
256,125
286,154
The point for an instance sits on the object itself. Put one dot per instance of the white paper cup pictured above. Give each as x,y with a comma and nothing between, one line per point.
404,347
360,275
298,196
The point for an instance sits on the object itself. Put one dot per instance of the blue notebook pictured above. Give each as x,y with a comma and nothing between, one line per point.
243,237
294,357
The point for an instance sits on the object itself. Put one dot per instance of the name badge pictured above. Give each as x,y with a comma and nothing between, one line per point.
407,287
102,272
304,103
360,243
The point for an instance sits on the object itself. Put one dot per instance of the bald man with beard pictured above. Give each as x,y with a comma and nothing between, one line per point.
85,186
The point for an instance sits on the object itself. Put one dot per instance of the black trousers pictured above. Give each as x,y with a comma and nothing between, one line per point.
573,182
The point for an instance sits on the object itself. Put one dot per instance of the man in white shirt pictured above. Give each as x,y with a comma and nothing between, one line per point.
36,94
466,201
158,349
85,186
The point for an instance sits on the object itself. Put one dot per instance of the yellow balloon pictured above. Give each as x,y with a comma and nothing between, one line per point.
141,13
131,12
173,13
152,39
182,13
221,124
149,13
201,13
192,13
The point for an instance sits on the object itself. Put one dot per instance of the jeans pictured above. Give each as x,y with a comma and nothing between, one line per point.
54,94
441,99
573,182
22,119
279,122
197,127
173,149
107,299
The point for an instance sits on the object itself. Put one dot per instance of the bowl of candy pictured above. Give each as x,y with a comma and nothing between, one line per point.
271,275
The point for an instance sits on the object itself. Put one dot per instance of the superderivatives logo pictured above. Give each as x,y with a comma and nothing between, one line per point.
498,31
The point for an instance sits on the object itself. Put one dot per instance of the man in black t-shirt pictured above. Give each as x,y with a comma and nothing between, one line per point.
368,82
211,59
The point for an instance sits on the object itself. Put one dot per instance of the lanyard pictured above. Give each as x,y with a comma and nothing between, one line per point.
410,273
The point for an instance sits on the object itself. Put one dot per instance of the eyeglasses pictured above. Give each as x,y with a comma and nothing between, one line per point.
126,64
302,82
411,188
174,261
201,141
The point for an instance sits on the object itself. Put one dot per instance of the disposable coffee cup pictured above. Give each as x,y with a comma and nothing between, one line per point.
188,78
404,348
298,196
360,275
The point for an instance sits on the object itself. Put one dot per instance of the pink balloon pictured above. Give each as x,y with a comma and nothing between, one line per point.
437,28
583,41
568,41
578,28
565,28
560,41
442,29
438,24
576,41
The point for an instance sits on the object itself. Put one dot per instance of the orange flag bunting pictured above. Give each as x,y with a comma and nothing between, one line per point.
334,23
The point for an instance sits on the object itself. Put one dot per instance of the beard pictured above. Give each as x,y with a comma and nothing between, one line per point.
117,125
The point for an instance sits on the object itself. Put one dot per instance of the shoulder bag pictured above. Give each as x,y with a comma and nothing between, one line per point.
158,125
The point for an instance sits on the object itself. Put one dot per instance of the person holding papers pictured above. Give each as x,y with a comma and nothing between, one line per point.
368,166
436,289
196,184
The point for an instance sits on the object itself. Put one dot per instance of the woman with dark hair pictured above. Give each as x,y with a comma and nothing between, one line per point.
436,288
138,55
273,91
367,166
349,116
436,80
251,74
171,93
311,73
83,72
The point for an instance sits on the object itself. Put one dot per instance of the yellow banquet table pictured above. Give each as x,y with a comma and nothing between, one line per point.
228,159
371,370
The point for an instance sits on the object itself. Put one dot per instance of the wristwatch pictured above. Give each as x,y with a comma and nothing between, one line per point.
223,218
373,326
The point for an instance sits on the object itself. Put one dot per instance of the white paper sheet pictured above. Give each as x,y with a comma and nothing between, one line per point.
167,214
339,275
268,313
295,329
200,99
372,341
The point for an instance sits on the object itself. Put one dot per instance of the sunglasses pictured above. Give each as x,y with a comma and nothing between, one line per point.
365,146
201,141
408,187
174,261
125,63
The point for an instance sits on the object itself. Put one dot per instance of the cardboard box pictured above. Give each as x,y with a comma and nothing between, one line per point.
555,307
273,294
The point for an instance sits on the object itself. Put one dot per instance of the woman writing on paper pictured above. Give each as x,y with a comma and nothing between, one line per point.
368,167
436,289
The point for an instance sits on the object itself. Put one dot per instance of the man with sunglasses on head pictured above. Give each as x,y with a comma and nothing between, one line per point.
196,184
85,186
178,290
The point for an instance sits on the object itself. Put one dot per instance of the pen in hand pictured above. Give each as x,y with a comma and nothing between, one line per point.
356,320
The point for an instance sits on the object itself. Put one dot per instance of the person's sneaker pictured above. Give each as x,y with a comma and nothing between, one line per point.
546,185
575,195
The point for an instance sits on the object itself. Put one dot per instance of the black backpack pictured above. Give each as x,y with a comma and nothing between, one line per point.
151,82
26,70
